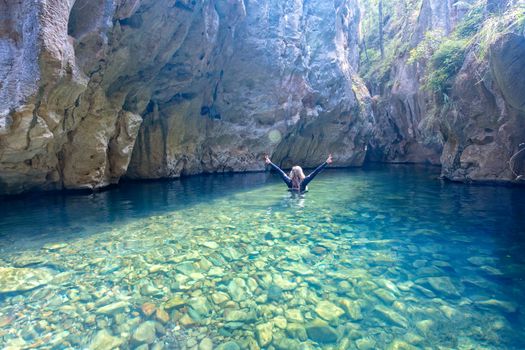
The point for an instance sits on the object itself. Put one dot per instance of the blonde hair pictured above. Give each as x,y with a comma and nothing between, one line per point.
297,176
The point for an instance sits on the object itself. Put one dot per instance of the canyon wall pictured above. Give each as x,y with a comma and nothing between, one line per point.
471,128
484,123
60,126
95,90
406,130
265,77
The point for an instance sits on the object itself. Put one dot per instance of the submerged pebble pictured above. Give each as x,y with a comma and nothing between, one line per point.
14,279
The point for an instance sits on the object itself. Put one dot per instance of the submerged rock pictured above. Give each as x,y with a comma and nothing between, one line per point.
148,309
145,333
294,315
206,344
501,305
210,244
14,279
299,269
283,283
287,344
230,345
186,268
219,297
263,332
25,260
175,302
320,332
162,316
391,316
296,330
238,289
365,343
443,285
328,311
200,305
103,340
216,271
385,295
424,326
280,322
352,308
54,246
275,292
239,315
448,311
187,320
113,308
318,250
401,345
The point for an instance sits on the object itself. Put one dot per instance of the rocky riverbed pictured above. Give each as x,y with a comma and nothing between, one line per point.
260,270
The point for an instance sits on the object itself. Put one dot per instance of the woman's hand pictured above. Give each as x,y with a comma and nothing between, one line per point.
267,159
329,159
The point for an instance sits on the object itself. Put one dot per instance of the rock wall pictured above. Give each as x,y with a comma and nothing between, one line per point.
485,122
94,90
183,86
474,129
60,126
406,130
257,77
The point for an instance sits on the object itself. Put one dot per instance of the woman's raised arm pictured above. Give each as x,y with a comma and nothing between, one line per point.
285,177
317,170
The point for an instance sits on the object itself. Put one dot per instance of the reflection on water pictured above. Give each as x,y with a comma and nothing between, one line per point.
384,257
43,217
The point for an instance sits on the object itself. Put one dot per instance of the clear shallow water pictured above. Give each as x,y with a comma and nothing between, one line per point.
385,257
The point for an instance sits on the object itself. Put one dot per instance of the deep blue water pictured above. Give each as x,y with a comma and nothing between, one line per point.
428,263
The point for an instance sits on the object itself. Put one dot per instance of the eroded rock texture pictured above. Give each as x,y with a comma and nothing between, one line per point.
93,90
60,126
255,77
474,129
184,86
406,130
486,121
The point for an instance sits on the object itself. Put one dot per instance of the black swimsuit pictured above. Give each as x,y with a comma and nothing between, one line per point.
305,181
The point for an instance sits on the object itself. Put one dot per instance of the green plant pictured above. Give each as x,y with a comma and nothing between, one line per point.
445,63
427,46
493,27
472,21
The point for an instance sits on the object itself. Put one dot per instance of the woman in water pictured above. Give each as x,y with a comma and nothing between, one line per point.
296,181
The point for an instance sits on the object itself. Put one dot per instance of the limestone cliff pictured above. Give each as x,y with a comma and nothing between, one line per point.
405,131
257,77
485,123
94,90
185,86
60,125
472,123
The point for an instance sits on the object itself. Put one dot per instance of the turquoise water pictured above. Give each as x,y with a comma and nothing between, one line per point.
386,257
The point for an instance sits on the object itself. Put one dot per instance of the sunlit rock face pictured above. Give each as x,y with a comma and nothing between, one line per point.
60,125
475,128
249,78
406,130
486,123
185,86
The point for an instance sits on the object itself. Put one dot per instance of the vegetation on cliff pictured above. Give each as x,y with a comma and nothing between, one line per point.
384,41
443,75
477,25
471,25
476,31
